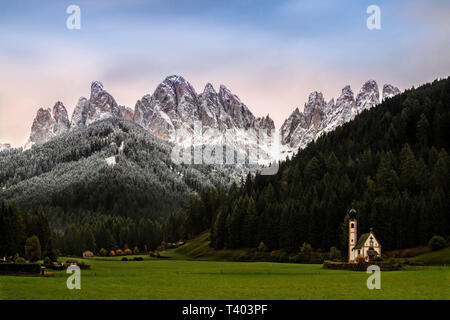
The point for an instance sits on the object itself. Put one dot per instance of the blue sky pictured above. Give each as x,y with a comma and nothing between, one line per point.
272,54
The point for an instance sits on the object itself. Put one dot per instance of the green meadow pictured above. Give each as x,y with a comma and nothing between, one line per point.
182,279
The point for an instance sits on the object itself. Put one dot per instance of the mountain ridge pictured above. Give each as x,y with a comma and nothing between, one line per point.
173,110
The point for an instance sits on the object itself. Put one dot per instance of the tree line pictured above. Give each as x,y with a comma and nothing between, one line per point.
391,164
24,234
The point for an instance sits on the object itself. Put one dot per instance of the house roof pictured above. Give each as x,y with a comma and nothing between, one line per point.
361,241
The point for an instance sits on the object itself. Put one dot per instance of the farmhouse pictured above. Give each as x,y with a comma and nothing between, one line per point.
87,254
367,246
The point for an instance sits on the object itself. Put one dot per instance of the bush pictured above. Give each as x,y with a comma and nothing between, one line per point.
162,246
20,268
119,252
136,250
295,258
47,261
20,260
360,259
305,252
33,249
335,254
103,252
437,243
262,247
127,251
56,267
378,259
112,253
274,255
283,257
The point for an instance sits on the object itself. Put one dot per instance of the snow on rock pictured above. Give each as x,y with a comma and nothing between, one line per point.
299,129
368,96
389,91
49,123
79,114
4,146
176,113
111,161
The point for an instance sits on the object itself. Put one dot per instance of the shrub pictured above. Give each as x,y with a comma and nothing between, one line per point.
136,250
317,257
378,259
262,247
119,252
18,268
283,257
33,249
162,246
335,254
437,242
294,258
360,259
20,260
128,251
112,253
274,255
47,261
305,252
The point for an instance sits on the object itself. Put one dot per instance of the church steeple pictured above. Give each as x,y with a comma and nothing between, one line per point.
352,234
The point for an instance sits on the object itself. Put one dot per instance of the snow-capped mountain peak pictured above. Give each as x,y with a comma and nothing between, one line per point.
174,109
389,91
48,123
4,146
368,96
318,118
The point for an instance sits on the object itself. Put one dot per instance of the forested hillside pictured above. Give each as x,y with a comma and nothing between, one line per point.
131,201
71,172
391,164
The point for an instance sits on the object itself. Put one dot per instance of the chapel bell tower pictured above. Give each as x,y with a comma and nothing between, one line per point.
352,235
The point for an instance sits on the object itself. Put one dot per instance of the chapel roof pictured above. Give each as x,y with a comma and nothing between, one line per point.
361,241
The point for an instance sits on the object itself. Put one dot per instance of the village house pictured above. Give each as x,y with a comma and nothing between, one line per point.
367,246
88,254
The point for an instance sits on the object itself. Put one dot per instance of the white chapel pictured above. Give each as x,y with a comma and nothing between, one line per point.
367,246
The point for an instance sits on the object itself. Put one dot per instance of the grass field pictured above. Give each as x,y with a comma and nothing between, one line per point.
441,257
178,279
199,249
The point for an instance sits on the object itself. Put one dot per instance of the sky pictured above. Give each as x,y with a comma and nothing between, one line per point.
271,54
